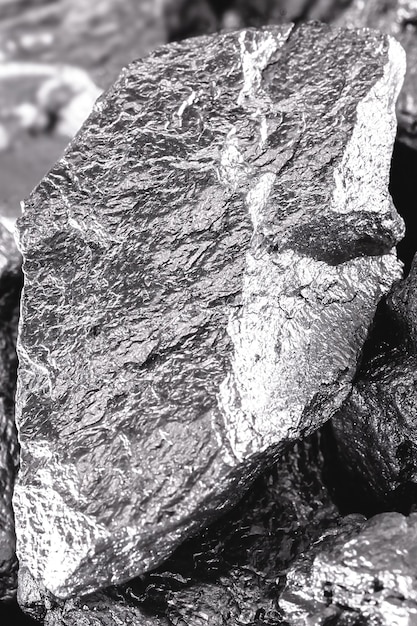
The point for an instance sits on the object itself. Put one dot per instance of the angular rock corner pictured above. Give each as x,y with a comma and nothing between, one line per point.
201,270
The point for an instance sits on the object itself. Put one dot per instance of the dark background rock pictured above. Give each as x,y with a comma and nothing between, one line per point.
376,429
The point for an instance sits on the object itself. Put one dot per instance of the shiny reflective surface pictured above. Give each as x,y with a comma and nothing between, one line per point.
363,572
201,268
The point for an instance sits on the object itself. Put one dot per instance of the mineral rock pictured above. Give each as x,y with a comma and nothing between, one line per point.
10,285
201,269
231,573
397,18
357,574
376,429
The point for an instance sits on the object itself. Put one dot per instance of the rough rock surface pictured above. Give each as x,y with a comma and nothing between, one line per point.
10,286
231,573
360,573
399,19
201,269
376,428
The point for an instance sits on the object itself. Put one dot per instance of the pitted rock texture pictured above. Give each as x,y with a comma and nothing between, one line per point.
231,573
375,429
399,19
201,269
361,573
10,286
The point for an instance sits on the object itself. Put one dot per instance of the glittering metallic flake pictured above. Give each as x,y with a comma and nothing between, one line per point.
201,269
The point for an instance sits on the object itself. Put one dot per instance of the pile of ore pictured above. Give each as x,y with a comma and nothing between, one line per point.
213,363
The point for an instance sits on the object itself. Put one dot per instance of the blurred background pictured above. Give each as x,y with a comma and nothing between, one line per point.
56,57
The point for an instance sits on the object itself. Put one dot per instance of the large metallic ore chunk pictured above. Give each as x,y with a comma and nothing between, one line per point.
201,270
359,574
10,286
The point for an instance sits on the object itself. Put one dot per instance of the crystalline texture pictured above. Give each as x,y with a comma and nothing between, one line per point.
375,429
201,268
230,573
360,574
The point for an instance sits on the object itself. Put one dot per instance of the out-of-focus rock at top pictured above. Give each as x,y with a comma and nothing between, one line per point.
100,37
359,573
10,285
56,57
201,270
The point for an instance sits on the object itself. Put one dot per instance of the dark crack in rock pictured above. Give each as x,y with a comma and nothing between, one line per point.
232,572
201,269
361,574
399,19
10,286
376,428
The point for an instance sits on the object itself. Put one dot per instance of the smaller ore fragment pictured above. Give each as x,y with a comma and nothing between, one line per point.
376,428
360,573
399,19
10,286
201,270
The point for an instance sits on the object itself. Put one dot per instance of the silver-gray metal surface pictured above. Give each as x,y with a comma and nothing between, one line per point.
230,573
361,573
201,269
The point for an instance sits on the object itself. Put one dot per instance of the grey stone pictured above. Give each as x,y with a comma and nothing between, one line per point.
201,269
360,573
230,573
399,19
376,429
10,286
